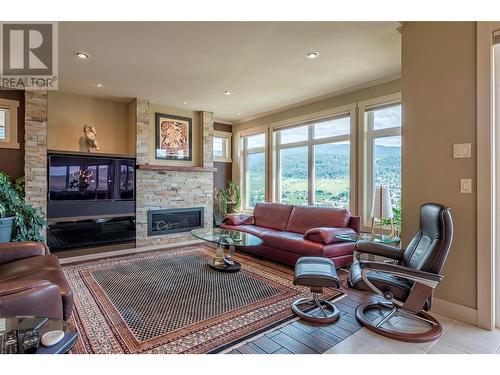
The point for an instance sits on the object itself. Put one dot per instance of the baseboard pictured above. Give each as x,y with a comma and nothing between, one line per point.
454,311
129,251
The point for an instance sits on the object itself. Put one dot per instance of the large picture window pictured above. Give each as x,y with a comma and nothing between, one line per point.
382,125
313,163
254,169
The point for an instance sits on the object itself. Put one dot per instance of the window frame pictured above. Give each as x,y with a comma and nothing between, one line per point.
368,136
11,136
310,120
245,152
227,137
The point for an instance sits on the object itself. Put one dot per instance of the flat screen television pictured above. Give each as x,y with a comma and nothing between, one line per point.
90,178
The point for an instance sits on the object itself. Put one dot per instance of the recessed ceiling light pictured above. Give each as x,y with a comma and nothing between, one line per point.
99,85
82,55
312,55
239,114
185,102
227,92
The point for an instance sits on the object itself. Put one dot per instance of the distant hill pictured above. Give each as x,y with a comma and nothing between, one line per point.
332,161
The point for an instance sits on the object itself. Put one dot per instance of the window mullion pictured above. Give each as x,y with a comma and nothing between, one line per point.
310,166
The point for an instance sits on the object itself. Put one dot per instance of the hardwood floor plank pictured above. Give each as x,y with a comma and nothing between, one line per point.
350,302
358,296
326,337
337,331
257,349
292,345
345,308
249,349
305,326
283,351
312,342
273,333
266,344
347,325
350,318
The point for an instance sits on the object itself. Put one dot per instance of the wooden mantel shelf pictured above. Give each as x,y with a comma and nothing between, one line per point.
158,167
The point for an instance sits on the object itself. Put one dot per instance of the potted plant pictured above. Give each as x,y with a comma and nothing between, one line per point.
220,206
233,197
19,221
6,224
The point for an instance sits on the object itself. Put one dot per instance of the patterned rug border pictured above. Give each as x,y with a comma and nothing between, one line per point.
219,342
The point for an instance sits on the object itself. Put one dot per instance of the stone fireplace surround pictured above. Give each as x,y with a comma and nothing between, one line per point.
157,187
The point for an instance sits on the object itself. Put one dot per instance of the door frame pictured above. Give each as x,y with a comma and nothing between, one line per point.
486,185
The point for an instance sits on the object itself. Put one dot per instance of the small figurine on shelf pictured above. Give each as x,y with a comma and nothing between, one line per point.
90,138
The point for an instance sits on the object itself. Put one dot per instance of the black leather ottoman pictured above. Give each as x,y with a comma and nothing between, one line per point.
316,273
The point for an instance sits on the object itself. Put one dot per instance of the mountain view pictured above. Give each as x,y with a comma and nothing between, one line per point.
331,174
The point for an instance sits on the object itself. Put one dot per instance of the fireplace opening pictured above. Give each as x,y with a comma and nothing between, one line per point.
176,220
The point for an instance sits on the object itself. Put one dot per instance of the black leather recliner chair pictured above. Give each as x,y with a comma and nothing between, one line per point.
406,284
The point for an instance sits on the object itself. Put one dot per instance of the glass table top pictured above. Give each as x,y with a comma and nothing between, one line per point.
355,237
226,237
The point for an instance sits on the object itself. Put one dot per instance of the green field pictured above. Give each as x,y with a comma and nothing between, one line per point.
328,192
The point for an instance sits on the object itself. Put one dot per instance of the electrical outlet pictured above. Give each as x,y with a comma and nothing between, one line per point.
466,185
462,151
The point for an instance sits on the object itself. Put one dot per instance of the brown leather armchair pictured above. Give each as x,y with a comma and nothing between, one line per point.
32,282
406,284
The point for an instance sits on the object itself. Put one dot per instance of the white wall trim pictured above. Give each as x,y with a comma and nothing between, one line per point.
454,311
315,116
485,134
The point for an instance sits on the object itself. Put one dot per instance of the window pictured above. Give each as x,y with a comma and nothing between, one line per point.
8,123
382,123
313,163
222,146
254,169
3,120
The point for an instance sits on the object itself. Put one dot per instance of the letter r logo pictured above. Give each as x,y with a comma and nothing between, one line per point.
27,49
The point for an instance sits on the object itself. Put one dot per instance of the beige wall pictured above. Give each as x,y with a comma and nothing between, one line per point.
197,131
67,114
439,109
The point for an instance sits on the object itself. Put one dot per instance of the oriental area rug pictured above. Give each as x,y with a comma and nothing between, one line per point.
171,301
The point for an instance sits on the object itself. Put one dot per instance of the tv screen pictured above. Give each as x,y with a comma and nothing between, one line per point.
90,178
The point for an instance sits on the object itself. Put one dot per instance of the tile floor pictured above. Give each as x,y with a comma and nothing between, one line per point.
457,338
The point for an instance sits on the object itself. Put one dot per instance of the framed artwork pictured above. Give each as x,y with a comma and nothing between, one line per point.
174,137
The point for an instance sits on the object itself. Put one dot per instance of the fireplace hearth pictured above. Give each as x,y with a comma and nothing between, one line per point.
176,220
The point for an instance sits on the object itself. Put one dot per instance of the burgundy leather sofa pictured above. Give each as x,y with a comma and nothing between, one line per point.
290,232
32,282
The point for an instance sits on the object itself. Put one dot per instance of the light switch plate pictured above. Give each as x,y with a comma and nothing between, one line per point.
466,185
462,150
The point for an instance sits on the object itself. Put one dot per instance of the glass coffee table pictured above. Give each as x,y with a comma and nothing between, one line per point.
377,238
227,241
19,325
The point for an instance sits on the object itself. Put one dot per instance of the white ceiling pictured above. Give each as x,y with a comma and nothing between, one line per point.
262,63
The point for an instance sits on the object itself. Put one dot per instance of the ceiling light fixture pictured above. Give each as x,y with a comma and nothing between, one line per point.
99,85
227,92
185,102
82,55
312,55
